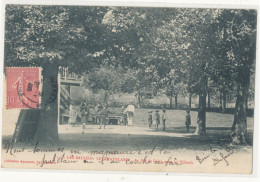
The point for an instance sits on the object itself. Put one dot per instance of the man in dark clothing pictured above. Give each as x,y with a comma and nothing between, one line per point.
188,121
104,114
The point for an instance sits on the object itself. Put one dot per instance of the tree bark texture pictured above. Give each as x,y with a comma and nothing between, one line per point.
47,130
201,120
176,101
190,101
139,99
106,99
27,122
239,127
224,102
170,101
220,100
208,100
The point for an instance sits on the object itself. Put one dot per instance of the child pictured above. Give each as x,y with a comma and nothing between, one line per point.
188,121
150,119
83,127
157,119
164,118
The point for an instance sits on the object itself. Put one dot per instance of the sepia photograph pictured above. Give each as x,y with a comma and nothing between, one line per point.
122,88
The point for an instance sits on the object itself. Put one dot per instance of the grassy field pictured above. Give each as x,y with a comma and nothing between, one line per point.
175,136
176,118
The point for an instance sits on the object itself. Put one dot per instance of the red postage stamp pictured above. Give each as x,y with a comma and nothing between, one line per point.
23,87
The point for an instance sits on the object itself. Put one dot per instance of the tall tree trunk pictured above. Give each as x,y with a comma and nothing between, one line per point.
220,100
142,101
239,127
247,102
224,102
171,101
190,101
176,101
106,99
208,100
201,122
47,130
27,121
139,99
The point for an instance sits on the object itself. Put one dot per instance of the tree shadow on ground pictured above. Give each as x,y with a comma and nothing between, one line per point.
129,142
184,130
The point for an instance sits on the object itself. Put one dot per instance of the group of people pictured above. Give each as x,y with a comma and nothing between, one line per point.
127,113
102,113
88,111
155,120
84,114
98,114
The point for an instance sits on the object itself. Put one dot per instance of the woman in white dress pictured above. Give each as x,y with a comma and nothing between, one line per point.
130,113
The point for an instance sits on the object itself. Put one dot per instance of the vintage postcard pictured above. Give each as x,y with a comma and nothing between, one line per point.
113,88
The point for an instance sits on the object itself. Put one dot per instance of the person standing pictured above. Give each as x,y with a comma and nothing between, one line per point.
98,110
124,115
104,115
83,128
91,113
150,119
130,113
164,118
188,120
157,119
84,113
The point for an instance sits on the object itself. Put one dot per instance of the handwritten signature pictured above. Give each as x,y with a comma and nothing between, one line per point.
216,156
